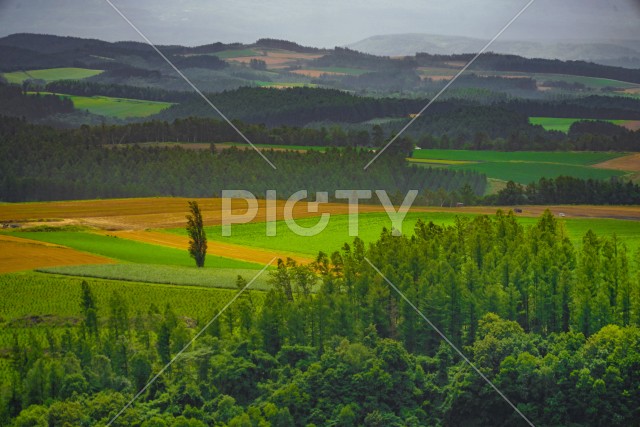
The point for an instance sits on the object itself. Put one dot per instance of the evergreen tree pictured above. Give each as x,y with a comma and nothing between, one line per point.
197,235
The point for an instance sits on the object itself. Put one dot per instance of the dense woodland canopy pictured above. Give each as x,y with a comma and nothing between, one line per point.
88,88
568,190
555,327
279,116
41,163
14,103
501,126
302,105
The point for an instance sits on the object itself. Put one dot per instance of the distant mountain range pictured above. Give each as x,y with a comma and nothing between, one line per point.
624,53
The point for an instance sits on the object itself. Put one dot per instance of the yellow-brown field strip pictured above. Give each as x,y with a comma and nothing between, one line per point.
23,254
169,212
227,250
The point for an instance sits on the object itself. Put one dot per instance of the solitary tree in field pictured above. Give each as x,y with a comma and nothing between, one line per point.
197,236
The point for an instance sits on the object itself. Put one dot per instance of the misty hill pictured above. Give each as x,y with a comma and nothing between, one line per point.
616,52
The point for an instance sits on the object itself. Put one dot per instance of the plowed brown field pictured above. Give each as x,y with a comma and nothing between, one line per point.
275,59
24,254
632,124
168,212
137,214
630,163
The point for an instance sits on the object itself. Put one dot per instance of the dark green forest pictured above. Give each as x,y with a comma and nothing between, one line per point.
503,127
14,103
42,163
568,190
280,117
554,326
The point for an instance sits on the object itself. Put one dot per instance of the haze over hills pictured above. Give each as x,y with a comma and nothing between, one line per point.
625,53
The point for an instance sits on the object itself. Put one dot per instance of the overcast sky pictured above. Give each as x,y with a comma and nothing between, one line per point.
323,23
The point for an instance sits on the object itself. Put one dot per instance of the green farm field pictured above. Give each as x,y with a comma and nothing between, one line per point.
129,250
118,107
36,303
28,293
336,234
164,274
582,158
563,124
522,166
51,74
527,172
114,107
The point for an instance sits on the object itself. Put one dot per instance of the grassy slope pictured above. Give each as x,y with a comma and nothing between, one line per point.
171,275
115,107
523,166
28,294
51,74
118,107
526,173
130,251
562,124
574,158
370,225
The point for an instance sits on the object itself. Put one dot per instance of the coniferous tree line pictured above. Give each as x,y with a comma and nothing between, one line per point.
14,103
301,105
41,163
500,126
90,88
568,190
555,328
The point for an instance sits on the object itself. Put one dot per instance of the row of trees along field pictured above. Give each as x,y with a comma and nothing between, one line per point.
42,163
553,326
585,135
498,126
14,103
500,62
566,189
303,105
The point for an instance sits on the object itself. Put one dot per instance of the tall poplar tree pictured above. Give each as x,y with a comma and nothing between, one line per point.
197,235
